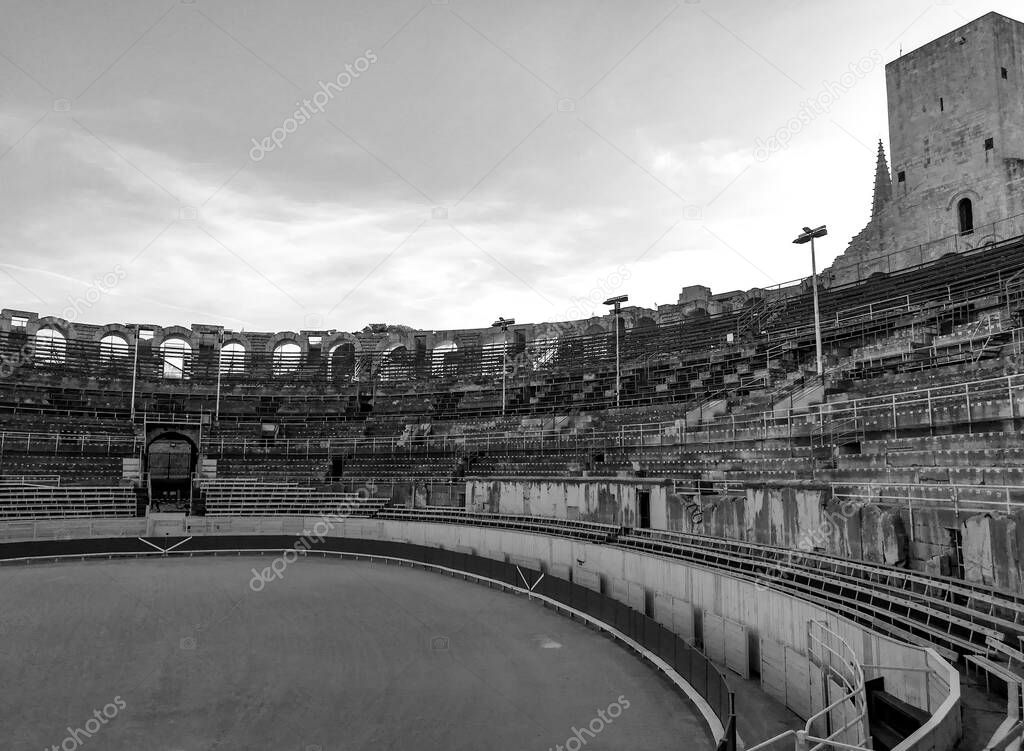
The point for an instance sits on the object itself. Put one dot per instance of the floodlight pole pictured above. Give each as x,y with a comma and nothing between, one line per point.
135,368
617,301
808,235
503,324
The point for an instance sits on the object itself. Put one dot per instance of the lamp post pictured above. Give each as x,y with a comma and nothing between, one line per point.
616,302
135,367
503,324
808,235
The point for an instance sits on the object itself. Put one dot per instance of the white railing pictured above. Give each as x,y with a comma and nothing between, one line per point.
971,396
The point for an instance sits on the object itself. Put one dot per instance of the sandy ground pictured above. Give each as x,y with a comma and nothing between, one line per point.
182,655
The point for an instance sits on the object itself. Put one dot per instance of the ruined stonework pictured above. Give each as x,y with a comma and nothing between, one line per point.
956,132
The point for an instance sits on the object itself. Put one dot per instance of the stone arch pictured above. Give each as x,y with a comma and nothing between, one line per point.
964,206
233,356
331,344
160,335
444,359
175,357
396,362
286,358
341,361
114,346
965,216
53,322
50,346
282,337
115,329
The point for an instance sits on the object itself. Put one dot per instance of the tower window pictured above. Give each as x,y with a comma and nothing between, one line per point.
1002,72
965,212
901,176
942,105
989,144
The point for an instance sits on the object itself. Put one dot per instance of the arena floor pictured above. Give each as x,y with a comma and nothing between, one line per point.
183,655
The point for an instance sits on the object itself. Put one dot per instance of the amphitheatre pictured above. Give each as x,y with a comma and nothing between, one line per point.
797,505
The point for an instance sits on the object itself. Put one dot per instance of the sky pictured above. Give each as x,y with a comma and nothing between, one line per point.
274,166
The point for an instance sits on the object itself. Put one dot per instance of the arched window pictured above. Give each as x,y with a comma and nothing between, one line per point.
443,360
113,347
175,354
232,358
50,347
396,364
540,352
286,358
965,212
341,365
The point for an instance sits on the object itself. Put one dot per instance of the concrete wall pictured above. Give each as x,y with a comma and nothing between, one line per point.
802,518
606,500
675,591
730,613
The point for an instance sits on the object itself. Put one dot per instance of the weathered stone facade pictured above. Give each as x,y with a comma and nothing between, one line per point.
956,131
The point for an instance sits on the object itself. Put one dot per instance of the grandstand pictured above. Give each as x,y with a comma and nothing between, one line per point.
841,550
885,494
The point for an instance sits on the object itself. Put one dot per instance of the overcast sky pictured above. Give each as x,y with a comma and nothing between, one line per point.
473,158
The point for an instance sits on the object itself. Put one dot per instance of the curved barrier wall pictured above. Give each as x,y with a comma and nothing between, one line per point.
687,666
731,611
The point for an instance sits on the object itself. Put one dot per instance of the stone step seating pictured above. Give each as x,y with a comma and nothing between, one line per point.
498,465
950,279
854,471
42,502
935,377
576,529
396,465
248,497
65,425
1009,459
1006,663
273,467
73,470
1001,442
69,443
948,412
757,471
965,498
948,613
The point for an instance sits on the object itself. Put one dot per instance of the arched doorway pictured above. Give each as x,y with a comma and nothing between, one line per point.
170,463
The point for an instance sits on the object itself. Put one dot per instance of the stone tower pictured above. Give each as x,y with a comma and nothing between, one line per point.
956,137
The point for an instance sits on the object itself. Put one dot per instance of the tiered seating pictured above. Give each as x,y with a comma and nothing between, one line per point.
921,609
396,465
274,467
246,497
24,501
579,530
73,470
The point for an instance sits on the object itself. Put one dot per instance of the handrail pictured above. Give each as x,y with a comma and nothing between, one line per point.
853,408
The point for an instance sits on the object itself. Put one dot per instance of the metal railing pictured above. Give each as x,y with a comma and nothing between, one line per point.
971,396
